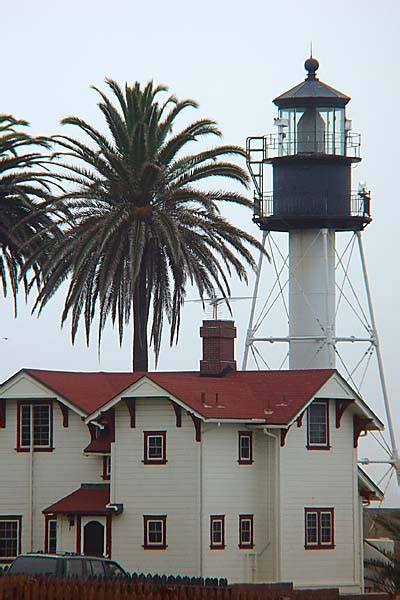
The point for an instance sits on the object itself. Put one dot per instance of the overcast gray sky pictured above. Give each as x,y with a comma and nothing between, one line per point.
233,57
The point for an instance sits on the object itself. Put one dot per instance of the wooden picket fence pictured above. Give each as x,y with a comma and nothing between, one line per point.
28,587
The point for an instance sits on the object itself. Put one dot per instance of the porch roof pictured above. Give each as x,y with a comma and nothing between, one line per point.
89,499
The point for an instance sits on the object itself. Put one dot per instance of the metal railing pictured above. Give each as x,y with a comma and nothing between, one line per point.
264,207
274,145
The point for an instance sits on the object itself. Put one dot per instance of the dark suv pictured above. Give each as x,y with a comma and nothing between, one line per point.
66,565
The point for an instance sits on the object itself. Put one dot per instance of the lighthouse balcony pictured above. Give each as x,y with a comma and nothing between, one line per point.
264,149
311,212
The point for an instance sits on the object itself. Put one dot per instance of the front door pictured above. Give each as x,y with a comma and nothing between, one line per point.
93,539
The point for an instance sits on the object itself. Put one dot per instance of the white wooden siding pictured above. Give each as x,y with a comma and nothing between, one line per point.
320,478
170,489
55,474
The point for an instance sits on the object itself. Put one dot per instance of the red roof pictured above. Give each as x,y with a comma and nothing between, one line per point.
273,396
91,498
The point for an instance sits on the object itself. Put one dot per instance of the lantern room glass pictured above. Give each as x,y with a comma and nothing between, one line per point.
312,130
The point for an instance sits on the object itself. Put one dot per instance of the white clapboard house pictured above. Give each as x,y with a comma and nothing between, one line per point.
247,475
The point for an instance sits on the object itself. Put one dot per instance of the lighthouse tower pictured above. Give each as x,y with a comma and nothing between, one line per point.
312,154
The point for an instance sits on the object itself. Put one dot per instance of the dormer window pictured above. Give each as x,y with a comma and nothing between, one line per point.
318,425
35,426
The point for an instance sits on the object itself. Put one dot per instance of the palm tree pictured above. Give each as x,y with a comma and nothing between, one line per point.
138,227
24,185
384,573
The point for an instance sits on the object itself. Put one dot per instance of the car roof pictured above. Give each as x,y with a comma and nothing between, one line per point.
60,556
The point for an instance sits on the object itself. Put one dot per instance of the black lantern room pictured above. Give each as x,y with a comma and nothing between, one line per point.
311,154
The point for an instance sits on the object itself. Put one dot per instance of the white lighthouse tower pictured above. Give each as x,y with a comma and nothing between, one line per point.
311,155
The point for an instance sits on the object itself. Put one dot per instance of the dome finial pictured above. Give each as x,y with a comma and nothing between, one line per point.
311,65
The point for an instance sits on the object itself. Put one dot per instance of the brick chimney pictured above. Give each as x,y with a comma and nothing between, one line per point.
218,347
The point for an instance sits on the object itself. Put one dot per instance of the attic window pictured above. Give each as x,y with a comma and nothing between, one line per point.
318,425
35,419
245,450
155,448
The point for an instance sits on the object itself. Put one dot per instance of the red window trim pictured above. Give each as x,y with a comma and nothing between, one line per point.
47,520
106,476
327,445
8,559
319,545
158,461
37,402
151,546
214,518
250,544
245,461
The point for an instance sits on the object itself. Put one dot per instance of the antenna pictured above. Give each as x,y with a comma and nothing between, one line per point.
311,49
215,302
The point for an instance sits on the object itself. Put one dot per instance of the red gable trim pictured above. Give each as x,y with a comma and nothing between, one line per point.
90,499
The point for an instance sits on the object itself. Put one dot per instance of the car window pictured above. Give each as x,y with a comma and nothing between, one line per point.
38,565
97,568
114,570
73,567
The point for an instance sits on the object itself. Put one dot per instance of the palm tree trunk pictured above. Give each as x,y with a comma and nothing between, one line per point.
140,358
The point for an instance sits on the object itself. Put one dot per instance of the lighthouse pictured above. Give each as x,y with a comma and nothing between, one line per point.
311,154
302,174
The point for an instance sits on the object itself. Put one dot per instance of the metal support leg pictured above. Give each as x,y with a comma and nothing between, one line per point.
249,334
395,452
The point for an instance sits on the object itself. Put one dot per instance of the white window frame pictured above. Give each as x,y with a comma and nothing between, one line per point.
214,519
32,406
310,443
162,521
246,519
319,512
245,460
49,521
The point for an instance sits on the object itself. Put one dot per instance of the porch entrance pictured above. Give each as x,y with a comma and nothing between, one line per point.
93,538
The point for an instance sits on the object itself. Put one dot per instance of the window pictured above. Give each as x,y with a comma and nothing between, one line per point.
245,448
318,425
246,531
155,447
106,467
97,568
114,570
74,567
319,528
10,537
217,532
155,532
51,535
36,415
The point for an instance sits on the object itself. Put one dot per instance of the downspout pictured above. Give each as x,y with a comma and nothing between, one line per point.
201,498
30,480
276,520
112,474
361,517
201,507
